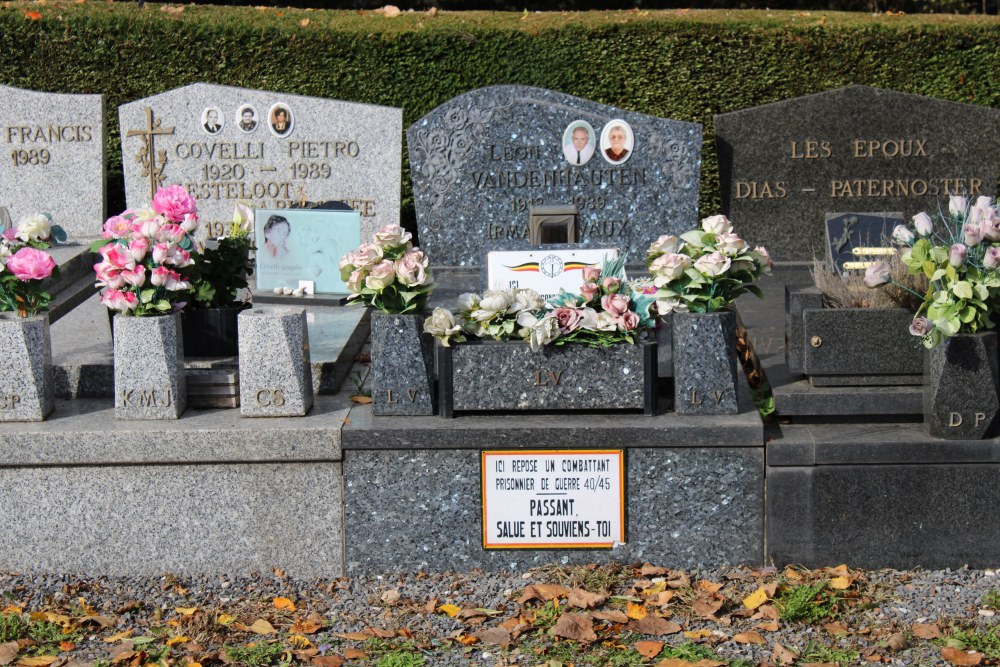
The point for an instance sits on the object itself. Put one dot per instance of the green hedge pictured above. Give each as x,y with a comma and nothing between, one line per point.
686,65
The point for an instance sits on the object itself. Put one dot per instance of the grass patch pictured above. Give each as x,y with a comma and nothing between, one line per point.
814,652
985,642
257,654
605,579
991,599
401,659
689,651
45,634
12,626
808,603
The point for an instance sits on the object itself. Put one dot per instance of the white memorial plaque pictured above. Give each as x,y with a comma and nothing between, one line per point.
545,271
553,499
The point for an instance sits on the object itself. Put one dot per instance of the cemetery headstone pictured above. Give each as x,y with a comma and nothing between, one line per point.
483,160
855,240
228,145
783,166
54,158
275,371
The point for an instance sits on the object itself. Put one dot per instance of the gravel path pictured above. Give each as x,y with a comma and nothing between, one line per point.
407,619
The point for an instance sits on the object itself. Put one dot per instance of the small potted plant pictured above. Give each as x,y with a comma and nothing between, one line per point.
146,255
27,392
959,255
698,278
218,280
394,277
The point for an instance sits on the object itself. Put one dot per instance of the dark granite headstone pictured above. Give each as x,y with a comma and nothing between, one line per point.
782,166
853,240
484,159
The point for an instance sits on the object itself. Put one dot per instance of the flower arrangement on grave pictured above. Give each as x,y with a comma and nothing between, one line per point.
608,310
706,269
389,273
959,254
24,264
146,255
221,269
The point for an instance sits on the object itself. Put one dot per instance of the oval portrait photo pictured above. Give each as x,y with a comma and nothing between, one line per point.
211,120
279,119
617,141
246,118
579,142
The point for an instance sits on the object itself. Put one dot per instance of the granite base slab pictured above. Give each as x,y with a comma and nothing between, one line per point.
800,398
421,509
877,496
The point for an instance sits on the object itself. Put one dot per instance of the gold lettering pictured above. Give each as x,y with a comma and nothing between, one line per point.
555,375
411,394
980,418
694,397
9,402
390,400
954,419
717,395
538,380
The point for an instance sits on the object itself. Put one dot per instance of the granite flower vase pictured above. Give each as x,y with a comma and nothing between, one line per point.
402,365
149,367
27,389
706,366
961,386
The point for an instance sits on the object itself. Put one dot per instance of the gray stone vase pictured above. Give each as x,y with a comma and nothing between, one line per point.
27,389
149,367
705,364
962,386
402,365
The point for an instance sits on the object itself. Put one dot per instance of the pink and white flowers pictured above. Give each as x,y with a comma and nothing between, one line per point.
144,254
24,264
389,273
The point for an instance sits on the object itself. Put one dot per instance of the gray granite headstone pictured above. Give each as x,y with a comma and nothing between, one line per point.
149,367
330,150
275,371
961,398
53,158
27,383
482,160
782,166
853,240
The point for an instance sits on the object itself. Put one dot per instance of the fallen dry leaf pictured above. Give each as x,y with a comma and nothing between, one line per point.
707,608
355,654
636,611
8,651
118,636
389,11
654,625
926,630
449,609
836,628
284,603
612,616
543,592
584,599
695,635
494,636
756,599
841,583
186,611
650,570
577,627
307,626
896,642
326,661
304,22
782,656
33,16
362,400
262,627
225,619
354,636
749,638
299,642
390,597
648,649
768,627
40,661
174,641
961,658
709,587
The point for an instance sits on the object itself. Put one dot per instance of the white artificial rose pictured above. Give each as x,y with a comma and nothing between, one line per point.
730,244
392,235
957,205
34,227
496,300
670,266
468,301
381,276
526,299
442,325
713,264
668,243
717,224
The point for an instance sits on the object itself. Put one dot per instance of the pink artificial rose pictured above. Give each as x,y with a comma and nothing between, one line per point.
136,278
568,319
381,276
138,247
31,264
902,235
171,233
670,266
957,255
174,203
365,256
9,234
117,256
666,244
190,223
148,227
713,264
973,234
160,252
923,224
120,301
990,226
178,257
921,326
591,274
878,274
167,279
116,227
991,260
410,269
730,243
108,276
392,235
717,224
611,284
356,282
629,321
616,304
589,291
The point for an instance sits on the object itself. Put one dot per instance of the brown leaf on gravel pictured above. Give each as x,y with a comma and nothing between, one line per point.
327,661
836,628
654,625
543,592
261,627
612,616
8,652
709,587
577,627
650,570
354,636
648,649
307,626
707,608
355,654
431,606
390,597
100,621
896,642
926,630
768,627
585,599
961,658
768,611
384,634
662,598
749,638
678,579
782,656
495,636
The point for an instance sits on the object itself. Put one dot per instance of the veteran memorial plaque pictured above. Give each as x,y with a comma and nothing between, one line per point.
483,160
855,241
536,499
229,145
54,159
783,166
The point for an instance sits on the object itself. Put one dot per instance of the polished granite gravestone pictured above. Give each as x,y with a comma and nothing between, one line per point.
784,165
54,158
275,376
328,150
482,160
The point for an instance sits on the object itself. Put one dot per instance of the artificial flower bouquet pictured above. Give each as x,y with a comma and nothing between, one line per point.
221,269
146,254
607,311
706,269
24,264
960,256
388,274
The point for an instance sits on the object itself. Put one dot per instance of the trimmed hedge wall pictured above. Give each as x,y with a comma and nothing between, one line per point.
686,65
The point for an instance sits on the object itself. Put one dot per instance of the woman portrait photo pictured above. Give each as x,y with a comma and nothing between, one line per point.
280,120
211,120
246,118
276,231
579,142
617,141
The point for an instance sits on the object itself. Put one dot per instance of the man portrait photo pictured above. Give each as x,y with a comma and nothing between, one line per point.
617,141
579,142
247,118
210,120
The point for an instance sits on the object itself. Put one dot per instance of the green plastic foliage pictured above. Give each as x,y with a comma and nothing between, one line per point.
686,65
